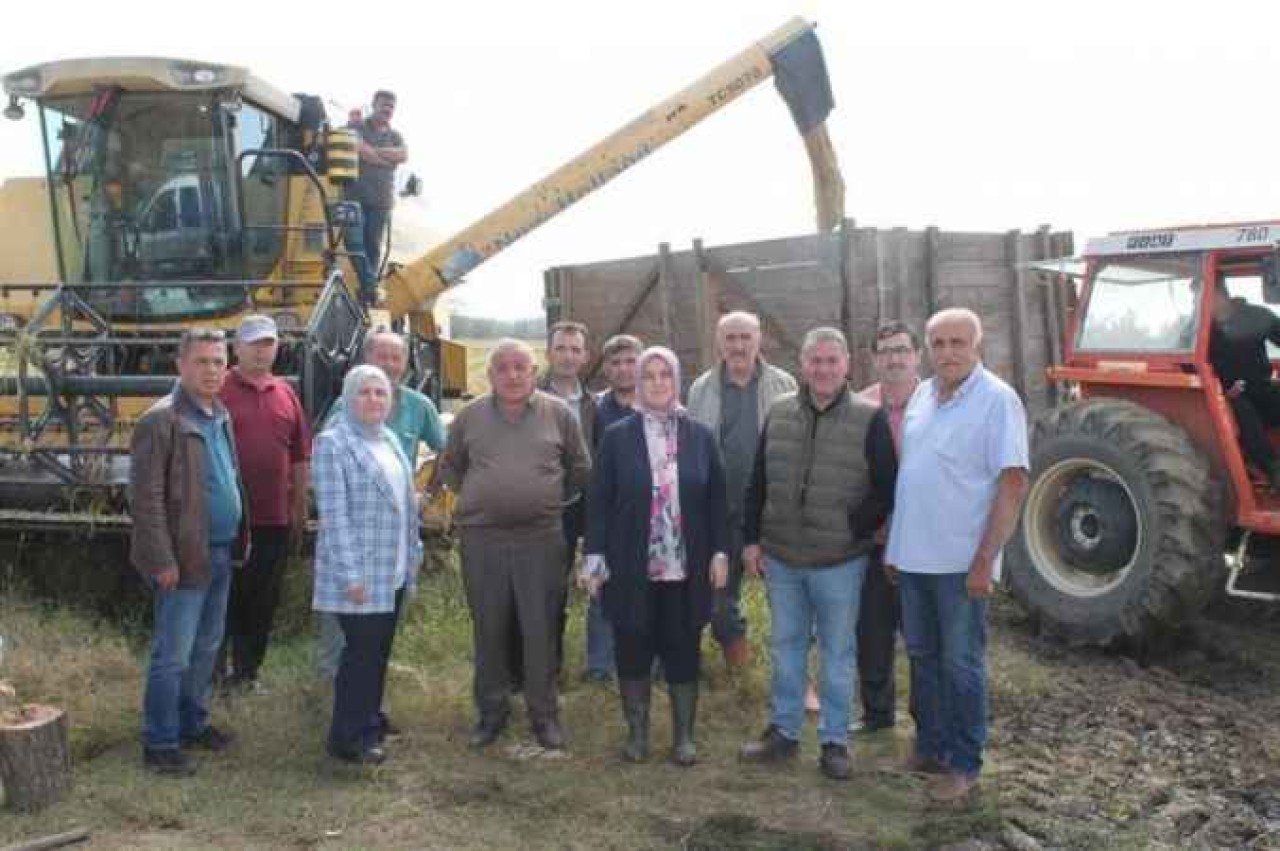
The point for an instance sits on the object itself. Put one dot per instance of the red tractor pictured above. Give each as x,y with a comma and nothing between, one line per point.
1142,506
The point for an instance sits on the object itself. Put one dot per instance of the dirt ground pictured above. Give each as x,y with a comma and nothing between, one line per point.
1102,751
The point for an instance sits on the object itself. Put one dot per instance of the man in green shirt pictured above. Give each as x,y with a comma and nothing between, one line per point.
414,418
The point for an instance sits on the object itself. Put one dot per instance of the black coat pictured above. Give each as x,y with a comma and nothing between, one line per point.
619,500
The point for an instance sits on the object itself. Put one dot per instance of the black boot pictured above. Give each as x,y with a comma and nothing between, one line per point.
684,711
635,708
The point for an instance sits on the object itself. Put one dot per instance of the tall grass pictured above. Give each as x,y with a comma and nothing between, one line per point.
277,789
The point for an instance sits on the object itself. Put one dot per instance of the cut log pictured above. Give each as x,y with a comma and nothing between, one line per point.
35,759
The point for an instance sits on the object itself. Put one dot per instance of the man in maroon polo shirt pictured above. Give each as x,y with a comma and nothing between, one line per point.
273,444
896,351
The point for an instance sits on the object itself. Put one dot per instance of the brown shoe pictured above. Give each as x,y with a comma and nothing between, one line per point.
916,764
952,788
737,653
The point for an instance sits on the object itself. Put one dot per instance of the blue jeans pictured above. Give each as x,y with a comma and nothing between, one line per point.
375,225
599,639
188,632
802,600
946,634
353,237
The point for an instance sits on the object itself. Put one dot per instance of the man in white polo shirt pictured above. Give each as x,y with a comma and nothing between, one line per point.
961,481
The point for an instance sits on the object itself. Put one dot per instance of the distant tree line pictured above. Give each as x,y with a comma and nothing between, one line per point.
484,328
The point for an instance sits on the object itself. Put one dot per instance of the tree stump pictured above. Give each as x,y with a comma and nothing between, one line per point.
35,759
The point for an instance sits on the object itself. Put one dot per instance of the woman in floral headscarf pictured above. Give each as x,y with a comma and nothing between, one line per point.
657,539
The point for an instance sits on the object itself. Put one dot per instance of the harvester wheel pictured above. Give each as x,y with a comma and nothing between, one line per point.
1122,533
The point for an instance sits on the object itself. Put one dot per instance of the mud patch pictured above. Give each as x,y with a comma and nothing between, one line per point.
1095,749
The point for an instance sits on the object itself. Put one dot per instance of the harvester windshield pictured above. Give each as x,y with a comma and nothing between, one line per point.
143,189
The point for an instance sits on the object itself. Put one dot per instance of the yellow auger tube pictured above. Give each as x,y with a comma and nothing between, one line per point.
413,287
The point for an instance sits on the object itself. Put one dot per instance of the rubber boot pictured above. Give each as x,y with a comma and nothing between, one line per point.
684,711
635,708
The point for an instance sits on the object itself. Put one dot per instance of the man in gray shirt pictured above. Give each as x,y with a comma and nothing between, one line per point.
381,149
511,456
731,399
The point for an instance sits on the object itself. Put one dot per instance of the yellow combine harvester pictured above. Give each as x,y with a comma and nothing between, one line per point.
181,193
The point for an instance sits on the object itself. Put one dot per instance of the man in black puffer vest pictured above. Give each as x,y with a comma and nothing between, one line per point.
822,485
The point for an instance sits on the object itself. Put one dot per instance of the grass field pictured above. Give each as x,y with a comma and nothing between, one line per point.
276,788
1088,749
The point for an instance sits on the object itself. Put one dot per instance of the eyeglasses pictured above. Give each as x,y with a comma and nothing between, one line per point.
900,351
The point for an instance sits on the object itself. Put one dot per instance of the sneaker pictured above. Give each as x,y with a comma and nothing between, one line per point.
168,762
835,762
549,734
772,746
209,739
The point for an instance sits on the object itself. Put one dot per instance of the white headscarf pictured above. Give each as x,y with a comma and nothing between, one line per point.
352,384
668,357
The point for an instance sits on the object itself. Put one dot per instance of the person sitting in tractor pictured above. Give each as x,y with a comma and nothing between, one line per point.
1238,339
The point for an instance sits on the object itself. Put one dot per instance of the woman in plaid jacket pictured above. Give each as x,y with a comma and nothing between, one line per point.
367,554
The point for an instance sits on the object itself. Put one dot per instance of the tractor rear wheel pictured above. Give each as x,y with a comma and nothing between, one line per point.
1122,534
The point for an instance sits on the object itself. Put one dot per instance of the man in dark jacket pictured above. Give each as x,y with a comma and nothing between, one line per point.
1238,341
618,362
187,505
566,357
821,487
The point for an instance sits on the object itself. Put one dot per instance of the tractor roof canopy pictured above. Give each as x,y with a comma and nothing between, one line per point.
1244,235
146,74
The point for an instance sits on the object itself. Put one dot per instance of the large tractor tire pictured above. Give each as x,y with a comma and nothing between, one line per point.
1122,533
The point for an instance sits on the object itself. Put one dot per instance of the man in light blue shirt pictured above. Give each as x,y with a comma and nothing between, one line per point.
961,481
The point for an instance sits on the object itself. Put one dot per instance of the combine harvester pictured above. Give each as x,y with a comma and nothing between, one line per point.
180,193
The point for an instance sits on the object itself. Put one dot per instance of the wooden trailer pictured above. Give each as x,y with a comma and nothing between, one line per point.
852,278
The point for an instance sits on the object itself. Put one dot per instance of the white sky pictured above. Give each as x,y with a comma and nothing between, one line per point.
981,115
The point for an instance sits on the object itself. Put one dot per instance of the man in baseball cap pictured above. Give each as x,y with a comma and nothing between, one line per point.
273,443
254,328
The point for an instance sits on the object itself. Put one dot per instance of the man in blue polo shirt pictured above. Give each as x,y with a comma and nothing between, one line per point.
961,481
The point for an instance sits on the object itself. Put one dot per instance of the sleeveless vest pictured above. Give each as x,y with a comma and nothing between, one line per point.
816,473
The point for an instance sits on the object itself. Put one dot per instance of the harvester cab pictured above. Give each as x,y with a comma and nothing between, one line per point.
179,193
1142,505
175,193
